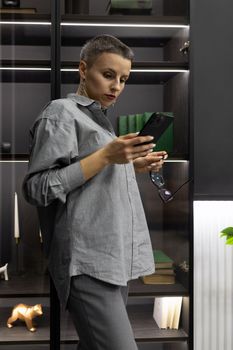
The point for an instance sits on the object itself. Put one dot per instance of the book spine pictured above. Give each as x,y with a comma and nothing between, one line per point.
131,123
122,125
139,121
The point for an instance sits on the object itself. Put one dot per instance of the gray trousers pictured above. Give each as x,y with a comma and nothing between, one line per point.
98,310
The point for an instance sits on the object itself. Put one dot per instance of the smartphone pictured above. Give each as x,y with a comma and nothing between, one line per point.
155,126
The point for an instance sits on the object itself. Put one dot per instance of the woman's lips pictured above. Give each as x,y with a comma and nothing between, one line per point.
110,97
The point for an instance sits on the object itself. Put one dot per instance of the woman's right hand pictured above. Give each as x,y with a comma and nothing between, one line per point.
124,149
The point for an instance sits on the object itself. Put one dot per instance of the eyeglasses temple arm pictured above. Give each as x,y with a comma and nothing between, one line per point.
189,180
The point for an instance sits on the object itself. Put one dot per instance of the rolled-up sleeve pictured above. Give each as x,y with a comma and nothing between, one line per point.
54,167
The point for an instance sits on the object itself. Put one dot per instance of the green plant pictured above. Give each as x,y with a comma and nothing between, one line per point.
228,232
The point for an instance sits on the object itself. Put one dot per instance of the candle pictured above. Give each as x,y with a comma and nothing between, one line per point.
40,235
16,223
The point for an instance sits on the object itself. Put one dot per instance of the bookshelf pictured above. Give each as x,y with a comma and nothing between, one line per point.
29,72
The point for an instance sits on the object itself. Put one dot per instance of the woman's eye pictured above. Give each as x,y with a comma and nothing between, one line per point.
108,75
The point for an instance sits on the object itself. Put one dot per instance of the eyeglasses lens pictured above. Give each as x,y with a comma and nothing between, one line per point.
165,195
157,179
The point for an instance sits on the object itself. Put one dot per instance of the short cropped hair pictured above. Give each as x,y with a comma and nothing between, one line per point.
104,43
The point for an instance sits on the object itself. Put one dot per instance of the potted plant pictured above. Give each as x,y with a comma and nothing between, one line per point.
228,233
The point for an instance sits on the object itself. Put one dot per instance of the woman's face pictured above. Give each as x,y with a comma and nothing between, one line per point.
105,79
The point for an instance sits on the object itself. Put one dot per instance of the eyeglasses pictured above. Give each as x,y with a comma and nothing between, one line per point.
158,180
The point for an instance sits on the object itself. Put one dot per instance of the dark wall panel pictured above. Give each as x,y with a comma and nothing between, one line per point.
212,97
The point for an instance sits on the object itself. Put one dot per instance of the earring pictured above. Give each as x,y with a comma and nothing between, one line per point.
82,88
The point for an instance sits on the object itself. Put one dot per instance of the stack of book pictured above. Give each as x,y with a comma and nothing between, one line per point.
164,270
15,10
134,122
167,312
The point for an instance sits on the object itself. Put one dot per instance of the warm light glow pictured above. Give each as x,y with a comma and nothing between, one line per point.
13,161
26,68
176,161
152,70
135,70
127,25
26,23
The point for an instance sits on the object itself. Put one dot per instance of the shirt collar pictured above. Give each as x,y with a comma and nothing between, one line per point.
83,100
86,102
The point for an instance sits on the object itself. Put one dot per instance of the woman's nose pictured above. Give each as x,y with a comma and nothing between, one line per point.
116,85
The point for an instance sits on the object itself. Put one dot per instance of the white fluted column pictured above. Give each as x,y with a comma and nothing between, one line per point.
213,276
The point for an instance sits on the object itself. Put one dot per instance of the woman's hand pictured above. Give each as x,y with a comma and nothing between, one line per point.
151,162
127,148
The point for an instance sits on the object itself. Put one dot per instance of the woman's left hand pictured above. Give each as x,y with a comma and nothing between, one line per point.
152,162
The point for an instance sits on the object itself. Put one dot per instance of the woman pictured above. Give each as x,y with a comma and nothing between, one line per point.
81,177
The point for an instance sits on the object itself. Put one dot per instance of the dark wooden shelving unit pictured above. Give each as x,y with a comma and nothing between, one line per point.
73,31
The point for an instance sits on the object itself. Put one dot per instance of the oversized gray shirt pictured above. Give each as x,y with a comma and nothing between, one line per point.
95,227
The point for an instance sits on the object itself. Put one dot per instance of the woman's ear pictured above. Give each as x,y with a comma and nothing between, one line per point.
82,69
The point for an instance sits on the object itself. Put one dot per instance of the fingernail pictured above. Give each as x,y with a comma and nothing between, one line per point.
151,137
153,145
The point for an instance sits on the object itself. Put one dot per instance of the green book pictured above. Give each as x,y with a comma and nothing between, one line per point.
123,125
131,123
139,121
162,261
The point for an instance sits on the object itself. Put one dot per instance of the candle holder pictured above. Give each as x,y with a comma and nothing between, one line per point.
10,3
5,147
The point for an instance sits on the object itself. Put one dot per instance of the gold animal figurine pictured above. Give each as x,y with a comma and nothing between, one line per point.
25,313
3,270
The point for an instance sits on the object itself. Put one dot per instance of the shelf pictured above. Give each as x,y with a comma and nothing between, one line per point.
23,17
7,157
25,286
131,21
138,289
142,72
143,31
19,333
147,65
22,286
144,327
20,29
26,71
25,158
